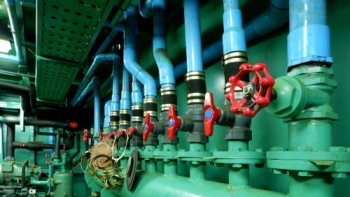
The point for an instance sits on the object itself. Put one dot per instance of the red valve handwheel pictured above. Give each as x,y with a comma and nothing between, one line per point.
211,114
174,122
261,95
149,127
130,130
73,124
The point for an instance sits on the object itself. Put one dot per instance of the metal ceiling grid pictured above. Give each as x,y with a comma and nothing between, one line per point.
53,79
67,29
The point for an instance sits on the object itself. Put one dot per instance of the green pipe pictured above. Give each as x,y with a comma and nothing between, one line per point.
149,184
314,133
151,165
170,167
238,174
197,169
319,185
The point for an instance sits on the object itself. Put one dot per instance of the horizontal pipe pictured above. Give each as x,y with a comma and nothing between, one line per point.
88,88
25,91
13,120
271,19
97,60
174,186
118,28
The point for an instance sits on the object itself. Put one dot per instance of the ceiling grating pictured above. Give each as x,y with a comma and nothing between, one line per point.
65,33
53,79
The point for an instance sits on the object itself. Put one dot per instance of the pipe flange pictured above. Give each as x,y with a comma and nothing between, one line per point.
184,155
239,157
304,159
131,169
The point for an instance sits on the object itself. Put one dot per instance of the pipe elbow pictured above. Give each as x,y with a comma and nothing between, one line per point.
165,66
145,8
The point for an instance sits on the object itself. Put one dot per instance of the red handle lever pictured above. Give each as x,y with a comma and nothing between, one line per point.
85,135
118,133
259,89
100,135
211,114
174,122
149,127
130,130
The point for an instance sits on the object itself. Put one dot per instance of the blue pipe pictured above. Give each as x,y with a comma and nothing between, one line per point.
165,66
233,37
118,28
136,95
105,83
272,18
193,36
125,102
89,87
51,141
309,37
115,86
97,107
145,8
16,33
97,60
107,110
130,59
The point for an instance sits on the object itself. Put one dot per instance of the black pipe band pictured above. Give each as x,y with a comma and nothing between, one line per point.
137,112
169,99
113,118
124,117
196,86
150,107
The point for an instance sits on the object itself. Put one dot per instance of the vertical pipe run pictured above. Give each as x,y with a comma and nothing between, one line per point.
125,96
97,108
107,110
309,37
193,36
115,85
233,37
165,66
136,95
130,58
238,173
10,136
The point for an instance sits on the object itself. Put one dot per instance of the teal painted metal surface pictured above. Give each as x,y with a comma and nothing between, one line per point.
182,186
63,184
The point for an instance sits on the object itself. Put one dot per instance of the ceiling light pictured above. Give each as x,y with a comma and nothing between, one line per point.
5,46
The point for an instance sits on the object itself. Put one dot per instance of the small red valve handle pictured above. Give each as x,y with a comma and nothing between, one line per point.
211,114
130,130
149,127
85,135
100,135
73,124
118,133
261,95
174,122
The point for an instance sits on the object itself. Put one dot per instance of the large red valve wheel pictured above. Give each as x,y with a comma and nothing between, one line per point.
259,90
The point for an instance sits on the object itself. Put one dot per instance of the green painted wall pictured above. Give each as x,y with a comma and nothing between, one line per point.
269,131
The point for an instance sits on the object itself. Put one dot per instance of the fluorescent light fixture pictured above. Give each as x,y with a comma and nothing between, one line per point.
5,46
